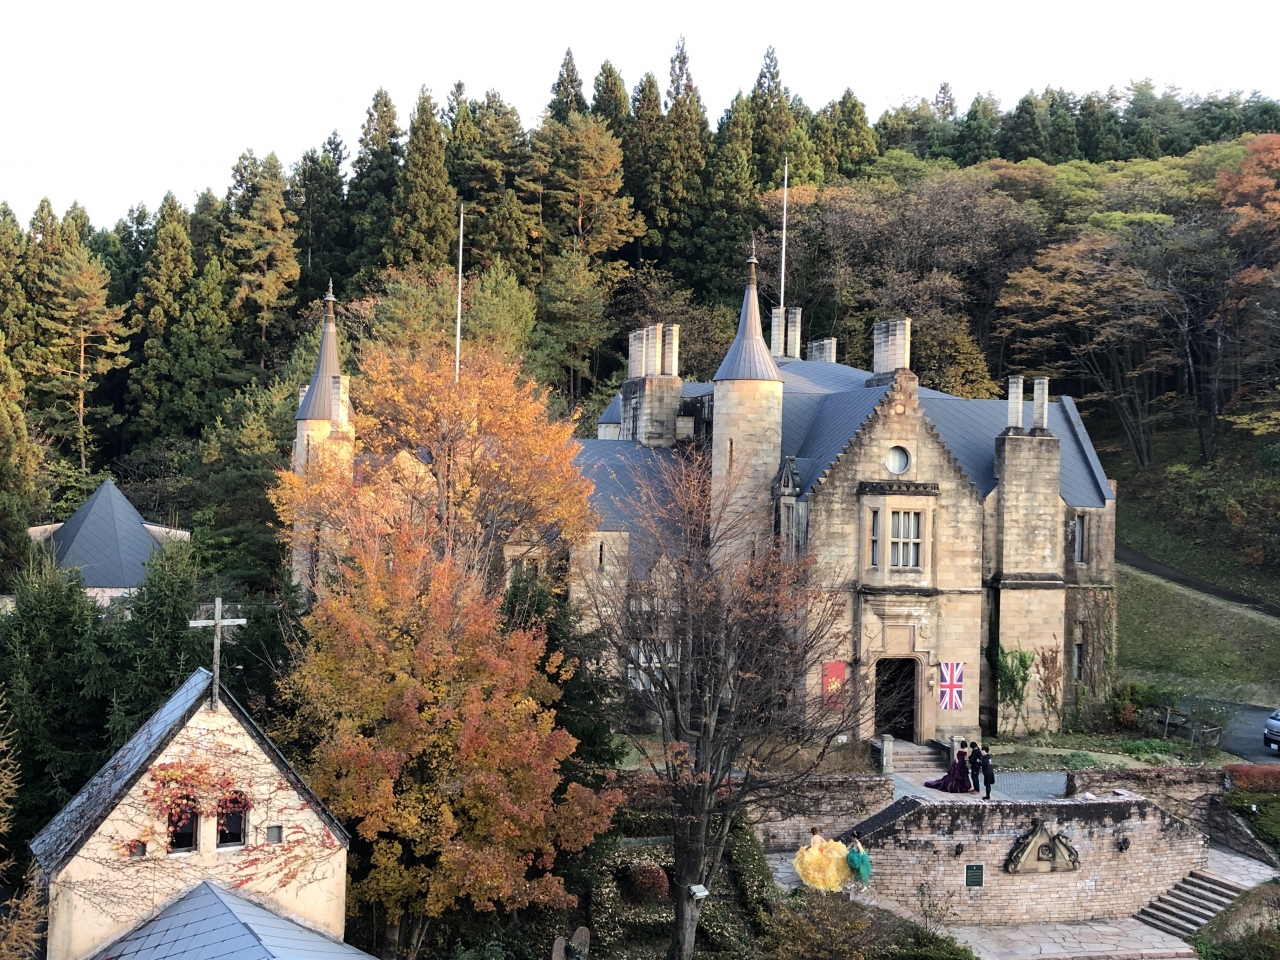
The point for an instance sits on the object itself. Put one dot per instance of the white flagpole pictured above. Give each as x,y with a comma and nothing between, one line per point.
457,333
782,285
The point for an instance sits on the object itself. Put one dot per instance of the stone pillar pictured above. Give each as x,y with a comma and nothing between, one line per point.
793,332
776,333
886,753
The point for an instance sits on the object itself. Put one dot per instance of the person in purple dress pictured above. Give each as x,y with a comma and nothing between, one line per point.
957,778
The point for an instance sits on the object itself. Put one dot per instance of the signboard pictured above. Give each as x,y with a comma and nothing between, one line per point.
973,874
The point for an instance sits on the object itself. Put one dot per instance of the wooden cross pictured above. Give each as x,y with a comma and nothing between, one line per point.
217,623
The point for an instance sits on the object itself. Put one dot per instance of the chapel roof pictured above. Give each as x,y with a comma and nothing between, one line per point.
748,357
62,836
108,540
209,923
317,404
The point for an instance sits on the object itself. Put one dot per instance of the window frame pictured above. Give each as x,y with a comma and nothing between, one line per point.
906,537
242,811
190,827
1079,546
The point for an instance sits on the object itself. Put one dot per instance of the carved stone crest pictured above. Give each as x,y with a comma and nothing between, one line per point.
1039,852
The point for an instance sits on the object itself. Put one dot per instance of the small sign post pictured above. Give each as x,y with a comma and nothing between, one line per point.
973,874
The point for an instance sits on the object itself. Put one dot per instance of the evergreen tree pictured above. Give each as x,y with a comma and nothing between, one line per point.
776,136
315,196
571,323
1064,141
500,311
58,685
1098,128
585,211
842,137
1146,143
261,257
1023,134
372,191
76,225
687,140
42,248
425,211
566,92
208,227
84,339
642,146
13,299
18,462
125,249
462,150
732,214
610,103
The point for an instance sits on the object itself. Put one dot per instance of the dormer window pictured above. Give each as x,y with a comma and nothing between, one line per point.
232,813
184,826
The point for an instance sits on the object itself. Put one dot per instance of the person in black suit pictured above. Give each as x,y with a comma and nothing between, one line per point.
975,767
988,772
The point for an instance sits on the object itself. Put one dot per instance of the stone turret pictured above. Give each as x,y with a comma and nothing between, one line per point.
324,406
746,439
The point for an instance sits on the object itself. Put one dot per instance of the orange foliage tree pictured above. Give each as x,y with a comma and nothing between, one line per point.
427,718
1252,194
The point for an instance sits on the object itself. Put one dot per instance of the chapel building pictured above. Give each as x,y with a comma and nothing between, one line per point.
947,524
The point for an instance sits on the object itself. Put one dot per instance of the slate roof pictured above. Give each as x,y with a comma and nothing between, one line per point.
107,539
895,811
748,357
825,404
209,923
688,388
62,836
617,468
318,402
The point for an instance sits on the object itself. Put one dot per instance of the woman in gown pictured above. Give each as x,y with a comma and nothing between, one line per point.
823,864
859,865
957,778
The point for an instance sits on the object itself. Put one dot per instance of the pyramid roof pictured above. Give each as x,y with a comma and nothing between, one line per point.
107,539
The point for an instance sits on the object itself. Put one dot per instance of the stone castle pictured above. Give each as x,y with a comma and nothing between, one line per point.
951,527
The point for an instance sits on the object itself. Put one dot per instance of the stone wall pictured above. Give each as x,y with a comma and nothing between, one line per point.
1194,795
842,801
914,842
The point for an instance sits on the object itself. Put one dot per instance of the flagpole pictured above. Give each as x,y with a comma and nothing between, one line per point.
457,333
782,284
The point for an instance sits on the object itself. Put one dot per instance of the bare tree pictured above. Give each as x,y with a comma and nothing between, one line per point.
727,658
22,916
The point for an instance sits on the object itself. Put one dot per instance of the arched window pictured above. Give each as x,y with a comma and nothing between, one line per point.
233,812
184,825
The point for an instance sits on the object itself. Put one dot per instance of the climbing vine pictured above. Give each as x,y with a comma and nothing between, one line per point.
1013,677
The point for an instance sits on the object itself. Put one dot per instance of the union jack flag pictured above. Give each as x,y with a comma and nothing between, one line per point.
950,686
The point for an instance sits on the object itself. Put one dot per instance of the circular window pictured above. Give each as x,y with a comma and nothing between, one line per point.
897,460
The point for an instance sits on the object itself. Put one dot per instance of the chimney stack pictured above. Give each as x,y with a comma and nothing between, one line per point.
1041,420
823,350
671,350
793,332
1015,403
776,334
891,346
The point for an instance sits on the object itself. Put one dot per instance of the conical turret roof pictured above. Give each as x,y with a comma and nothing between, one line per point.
318,403
748,357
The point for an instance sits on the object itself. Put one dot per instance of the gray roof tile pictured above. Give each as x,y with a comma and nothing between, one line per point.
318,402
106,540
748,357
617,468
209,923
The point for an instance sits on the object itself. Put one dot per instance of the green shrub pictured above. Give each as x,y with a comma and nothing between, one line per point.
1258,945
1262,810
1079,760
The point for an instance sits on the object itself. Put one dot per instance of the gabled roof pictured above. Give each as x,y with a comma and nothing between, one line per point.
748,357
209,923
318,403
62,836
107,539
617,469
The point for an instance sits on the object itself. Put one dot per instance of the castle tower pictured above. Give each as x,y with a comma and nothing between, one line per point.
746,438
324,430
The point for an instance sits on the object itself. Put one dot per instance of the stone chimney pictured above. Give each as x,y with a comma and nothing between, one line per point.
793,333
822,350
891,350
776,334
1040,419
1015,404
651,396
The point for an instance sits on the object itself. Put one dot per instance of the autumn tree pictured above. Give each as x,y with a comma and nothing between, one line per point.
726,655
20,923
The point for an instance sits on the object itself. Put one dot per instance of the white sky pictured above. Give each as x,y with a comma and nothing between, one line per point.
113,102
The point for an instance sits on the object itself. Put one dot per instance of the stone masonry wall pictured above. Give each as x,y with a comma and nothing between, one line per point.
842,802
920,847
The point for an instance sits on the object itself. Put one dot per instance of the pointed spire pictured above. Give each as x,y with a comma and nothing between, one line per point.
318,402
748,357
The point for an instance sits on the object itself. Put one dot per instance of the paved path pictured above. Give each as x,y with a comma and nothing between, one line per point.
1008,786
1126,939
1132,557
1243,735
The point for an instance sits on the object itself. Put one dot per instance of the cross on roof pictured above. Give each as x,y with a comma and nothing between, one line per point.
218,622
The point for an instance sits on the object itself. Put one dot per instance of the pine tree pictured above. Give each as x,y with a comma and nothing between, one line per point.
125,249
462,150
566,92
688,140
18,462
722,240
315,196
373,185
585,210
500,312
42,248
261,258
1146,143
13,299
1099,129
1023,134
424,218
1064,142
571,323
208,227
610,101
842,137
776,134
84,339
76,226
977,139
642,155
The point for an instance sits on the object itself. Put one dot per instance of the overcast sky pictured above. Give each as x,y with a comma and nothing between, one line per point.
115,102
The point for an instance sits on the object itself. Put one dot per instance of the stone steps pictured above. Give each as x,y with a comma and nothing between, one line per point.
1190,904
911,758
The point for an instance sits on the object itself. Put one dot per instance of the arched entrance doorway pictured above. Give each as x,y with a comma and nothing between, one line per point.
896,697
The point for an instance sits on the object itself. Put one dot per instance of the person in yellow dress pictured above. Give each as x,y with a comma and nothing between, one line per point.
823,864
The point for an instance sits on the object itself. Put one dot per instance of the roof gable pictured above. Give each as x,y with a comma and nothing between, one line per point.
63,836
209,923
107,539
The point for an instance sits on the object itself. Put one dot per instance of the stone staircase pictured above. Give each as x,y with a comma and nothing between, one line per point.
912,758
1192,903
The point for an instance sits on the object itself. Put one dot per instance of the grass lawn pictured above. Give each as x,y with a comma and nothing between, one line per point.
1165,629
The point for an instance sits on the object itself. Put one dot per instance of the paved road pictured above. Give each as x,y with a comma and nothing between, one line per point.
1243,735
1136,558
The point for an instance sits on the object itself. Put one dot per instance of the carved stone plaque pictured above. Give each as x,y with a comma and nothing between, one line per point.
1040,852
